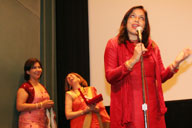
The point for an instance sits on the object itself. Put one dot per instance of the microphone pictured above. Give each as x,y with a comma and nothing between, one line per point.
139,32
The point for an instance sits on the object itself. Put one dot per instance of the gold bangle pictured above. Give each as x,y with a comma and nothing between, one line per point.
36,105
173,67
128,66
41,105
82,112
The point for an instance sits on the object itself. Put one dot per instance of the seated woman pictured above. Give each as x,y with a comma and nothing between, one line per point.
33,99
80,114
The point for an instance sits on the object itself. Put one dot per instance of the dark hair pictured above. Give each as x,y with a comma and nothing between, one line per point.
28,65
83,82
123,34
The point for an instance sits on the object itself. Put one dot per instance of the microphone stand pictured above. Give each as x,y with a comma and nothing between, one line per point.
144,105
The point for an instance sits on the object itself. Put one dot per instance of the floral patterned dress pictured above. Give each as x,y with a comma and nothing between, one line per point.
35,118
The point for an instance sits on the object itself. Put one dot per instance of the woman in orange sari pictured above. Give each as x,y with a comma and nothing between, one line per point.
77,111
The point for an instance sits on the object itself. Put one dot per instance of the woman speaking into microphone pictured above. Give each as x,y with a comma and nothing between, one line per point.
124,72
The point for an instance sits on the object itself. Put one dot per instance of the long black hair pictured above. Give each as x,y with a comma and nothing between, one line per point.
123,34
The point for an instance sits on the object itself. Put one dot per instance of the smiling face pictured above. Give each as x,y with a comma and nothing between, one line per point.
135,19
35,71
73,80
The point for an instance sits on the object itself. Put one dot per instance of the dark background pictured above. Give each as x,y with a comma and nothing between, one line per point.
72,46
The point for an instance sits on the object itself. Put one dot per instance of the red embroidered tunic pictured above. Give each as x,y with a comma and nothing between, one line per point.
126,86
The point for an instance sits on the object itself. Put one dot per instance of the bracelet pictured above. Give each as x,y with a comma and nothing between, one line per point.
173,68
82,112
36,105
128,66
41,105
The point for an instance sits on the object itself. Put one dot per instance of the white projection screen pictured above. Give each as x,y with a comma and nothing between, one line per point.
171,29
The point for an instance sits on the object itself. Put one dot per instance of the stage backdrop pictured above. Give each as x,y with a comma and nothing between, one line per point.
171,26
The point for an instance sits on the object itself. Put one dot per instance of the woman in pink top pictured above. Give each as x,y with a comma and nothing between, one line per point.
32,97
123,72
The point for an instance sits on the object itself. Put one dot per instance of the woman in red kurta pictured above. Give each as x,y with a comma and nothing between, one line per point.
81,115
123,72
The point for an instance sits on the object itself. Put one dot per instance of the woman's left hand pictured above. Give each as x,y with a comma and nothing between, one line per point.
47,104
96,109
182,56
92,108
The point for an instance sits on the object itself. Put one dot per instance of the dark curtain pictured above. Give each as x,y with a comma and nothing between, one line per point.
72,47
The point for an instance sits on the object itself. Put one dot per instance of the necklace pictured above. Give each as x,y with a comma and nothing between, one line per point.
77,93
